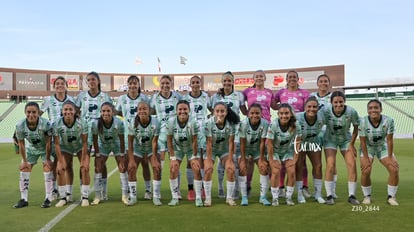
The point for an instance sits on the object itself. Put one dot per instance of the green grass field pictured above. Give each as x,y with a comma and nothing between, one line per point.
112,215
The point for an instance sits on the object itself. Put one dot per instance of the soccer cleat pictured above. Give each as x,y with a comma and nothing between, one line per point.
367,200
95,201
147,195
191,195
306,193
173,202
392,201
199,202
275,202
221,194
289,202
301,199
125,199
244,201
264,201
231,202
69,197
282,193
352,199
330,200
320,200
156,201
20,204
62,202
207,202
132,201
85,202
46,204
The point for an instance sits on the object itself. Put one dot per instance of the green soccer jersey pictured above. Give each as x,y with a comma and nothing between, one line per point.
144,135
311,133
220,136
199,106
283,140
108,139
128,106
90,106
376,136
253,134
165,108
34,139
337,127
234,100
183,135
324,101
70,137
53,106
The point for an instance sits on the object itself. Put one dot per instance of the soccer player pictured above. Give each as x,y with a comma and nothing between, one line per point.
283,140
376,135
220,132
53,106
182,133
127,107
163,105
70,136
145,130
296,97
235,101
34,135
252,134
108,136
338,119
311,123
263,96
200,106
323,95
89,103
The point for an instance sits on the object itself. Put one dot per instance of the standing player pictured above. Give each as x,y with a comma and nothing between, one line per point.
89,103
220,132
127,107
283,140
34,135
376,134
70,136
263,96
200,105
252,134
311,123
108,136
182,133
53,106
235,101
145,130
338,119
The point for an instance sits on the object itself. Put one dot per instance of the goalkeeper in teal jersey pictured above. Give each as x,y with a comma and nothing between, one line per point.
143,135
70,136
127,107
376,135
200,107
34,135
338,119
311,123
108,136
283,140
252,134
220,132
182,133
